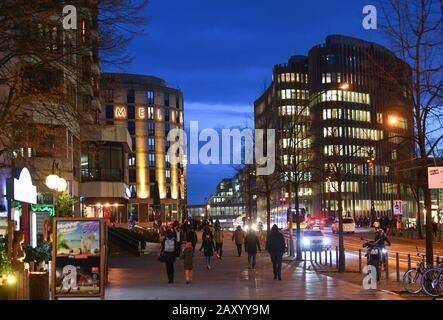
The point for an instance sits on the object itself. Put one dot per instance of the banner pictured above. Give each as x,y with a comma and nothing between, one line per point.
78,258
397,208
435,177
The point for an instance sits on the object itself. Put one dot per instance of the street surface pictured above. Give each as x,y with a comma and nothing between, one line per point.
145,278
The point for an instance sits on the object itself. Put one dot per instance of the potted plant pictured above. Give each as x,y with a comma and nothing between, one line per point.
38,276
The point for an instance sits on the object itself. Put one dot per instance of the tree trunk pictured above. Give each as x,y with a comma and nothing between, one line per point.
419,224
268,215
429,235
297,214
341,244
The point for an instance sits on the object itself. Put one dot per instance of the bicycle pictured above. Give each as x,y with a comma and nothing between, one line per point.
432,281
412,279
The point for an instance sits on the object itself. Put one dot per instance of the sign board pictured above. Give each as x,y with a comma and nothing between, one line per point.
78,258
24,190
435,177
397,208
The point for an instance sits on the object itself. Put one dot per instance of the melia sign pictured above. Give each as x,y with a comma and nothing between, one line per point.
24,190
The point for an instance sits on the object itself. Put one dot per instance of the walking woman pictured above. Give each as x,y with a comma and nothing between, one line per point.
276,248
168,254
208,248
188,259
218,236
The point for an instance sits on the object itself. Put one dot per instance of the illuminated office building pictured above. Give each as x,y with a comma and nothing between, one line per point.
149,109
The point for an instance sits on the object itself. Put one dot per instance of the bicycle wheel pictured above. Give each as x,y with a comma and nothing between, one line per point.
432,282
412,281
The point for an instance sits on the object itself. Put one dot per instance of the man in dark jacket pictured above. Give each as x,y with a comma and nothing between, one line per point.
251,244
192,237
168,252
276,247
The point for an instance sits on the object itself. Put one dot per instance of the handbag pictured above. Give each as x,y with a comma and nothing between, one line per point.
161,257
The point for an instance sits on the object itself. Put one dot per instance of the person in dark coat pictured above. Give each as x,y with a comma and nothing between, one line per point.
252,242
192,237
168,252
209,247
276,247
207,231
188,259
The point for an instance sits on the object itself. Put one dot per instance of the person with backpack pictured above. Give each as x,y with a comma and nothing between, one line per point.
218,236
168,254
188,259
208,248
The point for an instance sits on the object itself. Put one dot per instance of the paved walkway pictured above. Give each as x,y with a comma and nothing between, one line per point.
144,277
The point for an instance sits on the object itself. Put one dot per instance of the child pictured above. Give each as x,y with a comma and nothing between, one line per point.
188,257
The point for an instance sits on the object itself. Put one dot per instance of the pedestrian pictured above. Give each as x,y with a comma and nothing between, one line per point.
435,228
178,239
239,237
192,237
188,260
168,254
218,237
208,250
252,243
276,247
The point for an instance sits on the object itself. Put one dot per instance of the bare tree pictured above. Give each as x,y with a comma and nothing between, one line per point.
414,29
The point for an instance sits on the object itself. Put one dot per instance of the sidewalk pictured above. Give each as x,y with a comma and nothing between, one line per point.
145,278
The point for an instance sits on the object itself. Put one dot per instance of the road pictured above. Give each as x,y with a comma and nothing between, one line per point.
229,278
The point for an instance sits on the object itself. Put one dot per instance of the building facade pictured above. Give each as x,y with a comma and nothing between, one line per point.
349,102
149,109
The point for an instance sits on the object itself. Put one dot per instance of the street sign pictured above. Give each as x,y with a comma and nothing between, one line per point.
397,208
435,178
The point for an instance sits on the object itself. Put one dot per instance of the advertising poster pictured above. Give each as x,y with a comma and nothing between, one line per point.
78,258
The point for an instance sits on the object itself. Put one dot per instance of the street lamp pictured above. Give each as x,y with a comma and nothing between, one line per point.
344,86
54,181
371,186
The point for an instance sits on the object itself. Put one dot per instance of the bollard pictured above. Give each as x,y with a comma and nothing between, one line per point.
359,261
330,257
315,255
397,265
310,255
387,266
319,253
409,262
326,257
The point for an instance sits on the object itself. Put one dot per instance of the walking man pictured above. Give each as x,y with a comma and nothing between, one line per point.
239,237
252,243
276,247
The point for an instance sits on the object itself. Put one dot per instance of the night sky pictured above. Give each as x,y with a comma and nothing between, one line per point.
220,53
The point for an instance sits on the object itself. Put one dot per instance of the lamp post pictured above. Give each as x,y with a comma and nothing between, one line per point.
54,181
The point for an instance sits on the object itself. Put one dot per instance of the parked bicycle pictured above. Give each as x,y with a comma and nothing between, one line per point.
432,281
412,279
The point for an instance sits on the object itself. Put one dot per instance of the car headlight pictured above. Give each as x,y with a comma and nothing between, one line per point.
306,242
326,241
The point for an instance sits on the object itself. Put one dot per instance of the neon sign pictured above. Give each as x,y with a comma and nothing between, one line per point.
120,113
24,190
141,112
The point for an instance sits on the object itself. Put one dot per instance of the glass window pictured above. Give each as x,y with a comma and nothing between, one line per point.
131,112
167,114
166,98
151,128
131,127
151,143
109,112
150,97
130,96
131,160
177,101
109,95
152,160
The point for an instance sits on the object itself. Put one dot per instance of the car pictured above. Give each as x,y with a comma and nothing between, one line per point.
316,223
348,225
314,240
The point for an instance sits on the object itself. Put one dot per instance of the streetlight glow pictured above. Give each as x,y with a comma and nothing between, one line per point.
393,120
344,86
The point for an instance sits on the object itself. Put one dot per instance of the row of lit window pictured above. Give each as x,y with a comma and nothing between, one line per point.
331,77
294,94
150,97
347,114
297,143
346,186
292,77
293,110
361,205
354,133
356,169
342,95
289,159
349,150
302,175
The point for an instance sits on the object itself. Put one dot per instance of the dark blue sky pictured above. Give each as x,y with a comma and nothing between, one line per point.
220,53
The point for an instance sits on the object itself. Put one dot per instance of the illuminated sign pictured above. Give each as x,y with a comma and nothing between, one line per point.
120,113
141,113
435,177
24,190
